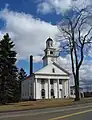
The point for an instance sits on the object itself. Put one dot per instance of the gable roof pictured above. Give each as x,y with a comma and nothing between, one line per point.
49,70
61,68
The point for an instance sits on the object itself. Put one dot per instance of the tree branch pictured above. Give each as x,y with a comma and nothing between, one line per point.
87,34
82,22
77,21
66,32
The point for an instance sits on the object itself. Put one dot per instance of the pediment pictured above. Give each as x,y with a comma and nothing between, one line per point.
52,68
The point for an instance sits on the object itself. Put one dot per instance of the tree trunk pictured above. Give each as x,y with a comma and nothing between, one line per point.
77,97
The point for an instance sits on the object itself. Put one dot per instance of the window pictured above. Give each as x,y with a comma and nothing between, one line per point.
51,82
23,94
60,89
51,44
42,81
53,70
52,92
51,52
60,81
43,93
27,92
48,44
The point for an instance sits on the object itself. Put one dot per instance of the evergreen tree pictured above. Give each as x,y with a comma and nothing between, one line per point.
21,76
8,70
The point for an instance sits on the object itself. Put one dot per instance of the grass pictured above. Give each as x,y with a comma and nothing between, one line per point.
35,104
28,105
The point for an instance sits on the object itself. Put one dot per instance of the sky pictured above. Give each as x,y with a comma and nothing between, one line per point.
29,24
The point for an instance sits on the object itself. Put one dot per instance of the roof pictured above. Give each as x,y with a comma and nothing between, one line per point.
29,76
62,68
48,70
49,39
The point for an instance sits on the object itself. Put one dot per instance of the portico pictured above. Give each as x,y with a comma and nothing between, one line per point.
50,87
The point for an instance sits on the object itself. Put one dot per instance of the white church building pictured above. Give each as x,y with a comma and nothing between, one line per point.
52,81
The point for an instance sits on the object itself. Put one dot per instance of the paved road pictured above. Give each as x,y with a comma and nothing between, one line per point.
74,112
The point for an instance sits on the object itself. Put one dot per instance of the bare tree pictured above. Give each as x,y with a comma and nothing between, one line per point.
75,37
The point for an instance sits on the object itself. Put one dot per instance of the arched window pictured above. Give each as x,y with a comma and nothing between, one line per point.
51,44
51,52
52,93
43,93
60,89
48,44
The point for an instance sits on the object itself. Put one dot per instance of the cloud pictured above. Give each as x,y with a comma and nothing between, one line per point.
85,70
44,8
29,34
61,6
86,75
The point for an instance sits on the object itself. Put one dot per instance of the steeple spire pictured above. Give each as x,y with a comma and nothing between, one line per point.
49,52
49,43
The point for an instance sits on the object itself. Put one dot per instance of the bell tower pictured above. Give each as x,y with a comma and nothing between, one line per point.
49,53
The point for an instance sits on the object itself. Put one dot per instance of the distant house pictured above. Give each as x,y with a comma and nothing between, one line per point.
72,92
52,81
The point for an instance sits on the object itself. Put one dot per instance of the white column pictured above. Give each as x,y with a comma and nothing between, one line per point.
35,88
57,88
63,88
68,89
48,88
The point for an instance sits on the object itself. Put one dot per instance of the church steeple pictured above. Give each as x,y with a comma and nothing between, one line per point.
49,43
49,53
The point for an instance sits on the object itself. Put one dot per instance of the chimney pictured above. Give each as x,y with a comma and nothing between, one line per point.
31,65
